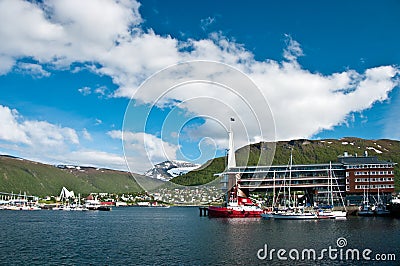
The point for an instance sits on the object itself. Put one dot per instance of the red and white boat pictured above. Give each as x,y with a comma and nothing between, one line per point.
238,206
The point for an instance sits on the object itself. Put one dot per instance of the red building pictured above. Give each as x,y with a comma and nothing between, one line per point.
367,174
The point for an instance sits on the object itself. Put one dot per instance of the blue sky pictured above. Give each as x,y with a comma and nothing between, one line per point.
68,70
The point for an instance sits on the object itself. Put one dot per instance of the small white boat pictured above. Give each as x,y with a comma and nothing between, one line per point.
294,216
266,215
366,209
330,214
381,208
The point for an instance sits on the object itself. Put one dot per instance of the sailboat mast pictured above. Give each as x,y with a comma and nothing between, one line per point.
273,192
379,198
331,183
290,174
231,151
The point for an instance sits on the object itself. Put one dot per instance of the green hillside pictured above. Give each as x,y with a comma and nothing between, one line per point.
40,179
19,175
304,152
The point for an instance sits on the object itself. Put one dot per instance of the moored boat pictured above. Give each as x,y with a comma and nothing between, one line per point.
366,209
331,214
291,209
95,205
328,212
238,203
381,208
294,215
239,211
394,207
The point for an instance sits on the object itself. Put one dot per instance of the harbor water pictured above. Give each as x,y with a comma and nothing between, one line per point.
179,236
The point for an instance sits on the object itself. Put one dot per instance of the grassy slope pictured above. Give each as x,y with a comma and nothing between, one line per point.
106,180
203,175
304,152
39,179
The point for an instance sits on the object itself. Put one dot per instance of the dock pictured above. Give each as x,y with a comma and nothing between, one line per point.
203,211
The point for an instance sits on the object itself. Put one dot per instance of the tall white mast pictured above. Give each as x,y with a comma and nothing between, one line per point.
231,152
273,195
290,174
330,183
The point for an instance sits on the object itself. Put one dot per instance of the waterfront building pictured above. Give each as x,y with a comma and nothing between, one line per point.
368,173
351,177
367,176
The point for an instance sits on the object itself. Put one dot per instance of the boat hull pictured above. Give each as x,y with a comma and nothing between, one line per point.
266,216
383,213
226,212
394,209
365,213
332,215
286,216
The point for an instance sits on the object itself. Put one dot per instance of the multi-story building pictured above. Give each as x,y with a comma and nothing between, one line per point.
368,174
351,177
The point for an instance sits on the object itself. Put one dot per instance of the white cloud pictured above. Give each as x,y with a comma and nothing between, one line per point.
6,64
63,31
94,158
108,35
11,129
102,91
293,49
144,150
86,135
49,143
33,70
115,134
304,103
206,22
98,122
44,134
41,135
85,91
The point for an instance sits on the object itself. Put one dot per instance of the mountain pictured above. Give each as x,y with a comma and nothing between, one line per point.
167,170
20,175
17,174
304,152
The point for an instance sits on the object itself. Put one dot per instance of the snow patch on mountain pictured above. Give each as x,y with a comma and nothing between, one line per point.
167,170
376,150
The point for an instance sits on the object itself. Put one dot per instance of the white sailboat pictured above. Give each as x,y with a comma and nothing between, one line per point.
366,209
290,213
380,209
79,207
330,213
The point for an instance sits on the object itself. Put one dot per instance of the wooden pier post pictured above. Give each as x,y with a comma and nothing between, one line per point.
203,211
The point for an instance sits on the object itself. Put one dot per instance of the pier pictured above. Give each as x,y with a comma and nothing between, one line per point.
203,211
